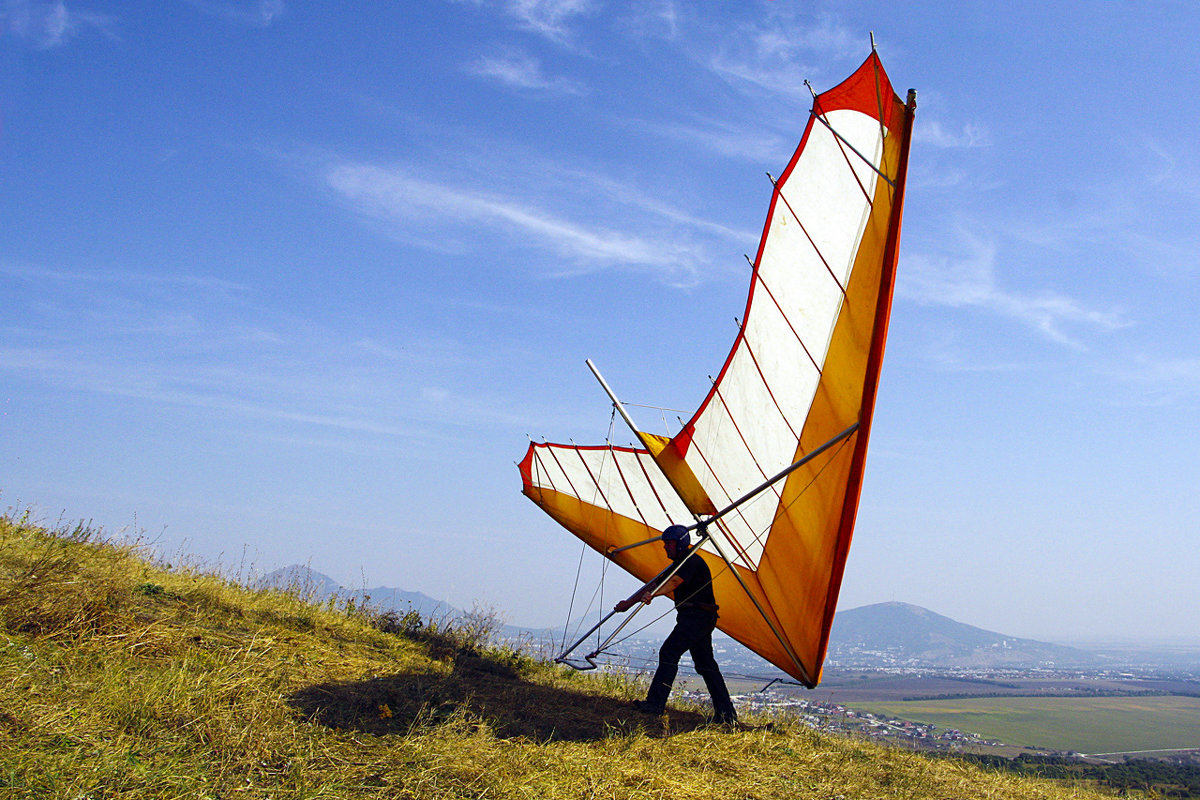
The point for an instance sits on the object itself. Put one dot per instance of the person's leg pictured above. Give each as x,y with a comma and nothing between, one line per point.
706,667
669,654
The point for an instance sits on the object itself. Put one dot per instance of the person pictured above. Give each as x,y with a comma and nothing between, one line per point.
696,618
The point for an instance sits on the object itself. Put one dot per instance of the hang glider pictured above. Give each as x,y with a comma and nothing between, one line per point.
772,462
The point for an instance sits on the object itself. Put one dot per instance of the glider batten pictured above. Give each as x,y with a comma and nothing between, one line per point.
799,315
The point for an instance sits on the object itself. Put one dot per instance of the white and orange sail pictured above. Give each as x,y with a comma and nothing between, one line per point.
801,377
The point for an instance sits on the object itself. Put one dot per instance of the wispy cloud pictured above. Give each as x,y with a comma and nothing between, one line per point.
226,390
395,196
519,70
634,197
652,19
549,18
730,141
222,351
780,51
1163,381
251,13
968,279
50,25
934,133
38,273
1169,172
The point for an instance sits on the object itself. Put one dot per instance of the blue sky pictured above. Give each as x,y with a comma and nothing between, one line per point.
294,282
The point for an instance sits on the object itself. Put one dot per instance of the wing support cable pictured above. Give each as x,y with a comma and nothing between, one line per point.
657,581
752,494
701,525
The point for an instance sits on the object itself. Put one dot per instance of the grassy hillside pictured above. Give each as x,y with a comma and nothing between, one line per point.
119,678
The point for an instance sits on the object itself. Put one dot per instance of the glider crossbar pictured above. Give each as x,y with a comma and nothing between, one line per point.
858,153
769,482
614,551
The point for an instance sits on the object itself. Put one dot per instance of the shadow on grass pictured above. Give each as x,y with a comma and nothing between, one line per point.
486,690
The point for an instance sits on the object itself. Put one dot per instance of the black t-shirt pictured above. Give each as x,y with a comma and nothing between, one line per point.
697,583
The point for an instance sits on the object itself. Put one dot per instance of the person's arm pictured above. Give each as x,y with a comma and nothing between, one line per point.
648,592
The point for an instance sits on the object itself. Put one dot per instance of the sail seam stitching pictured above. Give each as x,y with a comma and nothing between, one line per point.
808,236
788,320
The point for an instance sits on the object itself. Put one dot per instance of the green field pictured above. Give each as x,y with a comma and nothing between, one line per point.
1086,725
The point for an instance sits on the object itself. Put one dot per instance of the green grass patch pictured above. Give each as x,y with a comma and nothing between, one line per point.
1086,725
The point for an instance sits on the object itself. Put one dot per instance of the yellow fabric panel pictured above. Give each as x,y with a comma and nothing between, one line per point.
801,558
679,474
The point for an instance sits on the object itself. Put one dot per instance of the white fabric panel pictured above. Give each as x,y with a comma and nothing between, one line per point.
731,459
592,475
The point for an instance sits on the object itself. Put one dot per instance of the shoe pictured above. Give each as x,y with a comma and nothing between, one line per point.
646,707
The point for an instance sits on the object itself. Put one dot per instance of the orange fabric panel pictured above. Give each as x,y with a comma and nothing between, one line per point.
805,553
604,532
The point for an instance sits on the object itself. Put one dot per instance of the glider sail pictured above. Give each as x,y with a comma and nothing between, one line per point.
801,377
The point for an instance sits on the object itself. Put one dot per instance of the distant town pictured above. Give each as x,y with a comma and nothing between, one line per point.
863,676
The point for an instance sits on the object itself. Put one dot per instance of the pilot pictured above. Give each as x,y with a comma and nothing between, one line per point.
696,618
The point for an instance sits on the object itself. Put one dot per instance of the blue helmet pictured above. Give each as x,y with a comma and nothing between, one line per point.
677,533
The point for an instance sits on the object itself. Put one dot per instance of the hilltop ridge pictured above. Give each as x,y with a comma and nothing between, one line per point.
128,679
872,636
318,586
904,634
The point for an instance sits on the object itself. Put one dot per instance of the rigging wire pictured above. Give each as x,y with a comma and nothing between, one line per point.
599,590
571,605
603,646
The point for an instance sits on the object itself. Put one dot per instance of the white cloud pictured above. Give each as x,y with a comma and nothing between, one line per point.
779,52
969,280
50,25
635,198
522,71
731,141
76,277
1159,381
932,132
549,18
252,13
393,195
169,342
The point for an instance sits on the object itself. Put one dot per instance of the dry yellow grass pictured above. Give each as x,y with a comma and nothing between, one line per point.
122,679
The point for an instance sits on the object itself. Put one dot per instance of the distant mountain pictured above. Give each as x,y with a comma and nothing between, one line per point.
320,587
880,635
901,634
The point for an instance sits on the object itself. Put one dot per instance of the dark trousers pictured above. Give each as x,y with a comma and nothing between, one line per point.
693,633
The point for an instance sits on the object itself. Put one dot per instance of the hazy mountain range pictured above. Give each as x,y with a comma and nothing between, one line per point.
902,634
317,586
883,634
